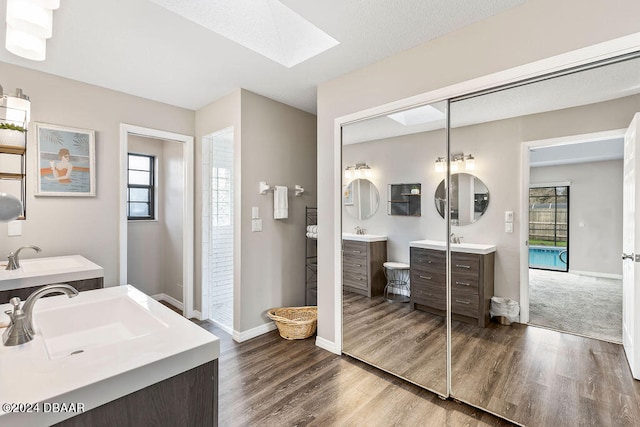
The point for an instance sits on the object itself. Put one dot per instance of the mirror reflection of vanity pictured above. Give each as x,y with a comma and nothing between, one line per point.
488,365
469,198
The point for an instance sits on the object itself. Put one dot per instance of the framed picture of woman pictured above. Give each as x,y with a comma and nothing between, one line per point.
66,161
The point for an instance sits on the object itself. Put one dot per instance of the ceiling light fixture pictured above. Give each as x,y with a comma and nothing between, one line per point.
29,25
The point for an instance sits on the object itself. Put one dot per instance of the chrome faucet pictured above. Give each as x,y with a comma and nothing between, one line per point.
14,262
360,231
454,239
20,330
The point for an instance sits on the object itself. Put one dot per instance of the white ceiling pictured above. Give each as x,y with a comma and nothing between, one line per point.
579,89
141,48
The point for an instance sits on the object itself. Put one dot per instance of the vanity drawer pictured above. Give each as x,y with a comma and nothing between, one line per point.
464,284
354,249
430,296
464,304
422,278
355,280
355,266
465,264
428,259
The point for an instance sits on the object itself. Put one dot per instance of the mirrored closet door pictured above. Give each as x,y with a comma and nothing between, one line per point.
394,244
571,128
435,220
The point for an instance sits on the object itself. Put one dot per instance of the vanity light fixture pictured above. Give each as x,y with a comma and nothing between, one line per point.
29,25
358,171
456,163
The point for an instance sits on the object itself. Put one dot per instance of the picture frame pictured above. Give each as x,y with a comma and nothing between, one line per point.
347,194
65,161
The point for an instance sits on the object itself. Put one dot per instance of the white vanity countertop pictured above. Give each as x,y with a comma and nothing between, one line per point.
364,237
43,271
104,371
472,248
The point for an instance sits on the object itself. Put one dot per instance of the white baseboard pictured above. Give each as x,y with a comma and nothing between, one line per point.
327,345
225,328
253,332
197,314
168,298
596,274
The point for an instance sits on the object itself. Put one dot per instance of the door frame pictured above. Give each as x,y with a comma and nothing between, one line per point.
187,206
526,146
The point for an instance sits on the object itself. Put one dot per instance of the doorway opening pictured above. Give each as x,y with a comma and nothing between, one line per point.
218,228
574,194
177,152
549,228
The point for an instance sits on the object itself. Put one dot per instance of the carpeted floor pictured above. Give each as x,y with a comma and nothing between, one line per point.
583,305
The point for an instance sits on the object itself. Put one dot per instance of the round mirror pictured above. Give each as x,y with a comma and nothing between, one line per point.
10,207
361,198
469,199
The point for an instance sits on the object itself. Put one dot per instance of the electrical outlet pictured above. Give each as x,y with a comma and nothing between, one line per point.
256,225
508,216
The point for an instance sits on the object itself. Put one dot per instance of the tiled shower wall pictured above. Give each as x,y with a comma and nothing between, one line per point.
217,229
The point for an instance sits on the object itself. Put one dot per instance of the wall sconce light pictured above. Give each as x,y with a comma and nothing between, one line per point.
358,171
456,163
29,25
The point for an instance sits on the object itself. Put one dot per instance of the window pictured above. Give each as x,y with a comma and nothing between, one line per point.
549,228
141,188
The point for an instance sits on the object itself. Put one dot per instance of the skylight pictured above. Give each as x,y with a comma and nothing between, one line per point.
417,116
267,27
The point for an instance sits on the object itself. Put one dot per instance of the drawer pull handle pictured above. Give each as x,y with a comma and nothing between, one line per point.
356,252
357,265
463,302
424,293
426,277
463,266
462,283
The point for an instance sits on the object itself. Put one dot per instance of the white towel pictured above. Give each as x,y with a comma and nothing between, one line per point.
280,203
312,228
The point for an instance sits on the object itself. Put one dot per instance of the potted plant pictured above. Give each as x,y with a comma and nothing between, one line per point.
11,134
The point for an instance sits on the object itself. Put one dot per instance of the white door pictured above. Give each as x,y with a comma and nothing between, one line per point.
631,250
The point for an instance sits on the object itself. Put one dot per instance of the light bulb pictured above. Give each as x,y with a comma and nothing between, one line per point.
26,45
440,165
368,173
30,18
347,173
470,163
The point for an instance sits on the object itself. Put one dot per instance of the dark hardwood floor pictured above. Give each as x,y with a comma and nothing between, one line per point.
533,376
270,381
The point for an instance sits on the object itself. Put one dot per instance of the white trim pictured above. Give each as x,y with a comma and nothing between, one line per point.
169,299
188,208
254,332
327,345
601,51
197,314
597,274
225,328
524,200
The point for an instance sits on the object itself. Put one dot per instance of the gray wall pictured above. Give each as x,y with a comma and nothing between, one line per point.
595,213
82,225
494,44
275,143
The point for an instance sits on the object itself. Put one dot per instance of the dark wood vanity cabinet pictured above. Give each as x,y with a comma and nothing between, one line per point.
472,278
362,270
23,293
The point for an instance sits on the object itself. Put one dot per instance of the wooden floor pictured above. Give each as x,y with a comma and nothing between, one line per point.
269,381
534,376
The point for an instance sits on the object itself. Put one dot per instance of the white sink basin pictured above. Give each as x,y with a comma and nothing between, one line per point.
76,328
473,248
364,237
123,341
44,271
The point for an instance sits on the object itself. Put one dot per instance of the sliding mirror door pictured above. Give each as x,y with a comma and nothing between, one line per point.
569,131
394,244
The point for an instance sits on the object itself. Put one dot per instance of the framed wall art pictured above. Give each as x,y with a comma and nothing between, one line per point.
66,161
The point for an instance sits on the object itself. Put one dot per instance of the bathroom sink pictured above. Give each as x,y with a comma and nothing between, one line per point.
474,248
74,328
364,237
47,270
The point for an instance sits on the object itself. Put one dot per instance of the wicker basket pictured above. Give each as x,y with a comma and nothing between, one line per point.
295,323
